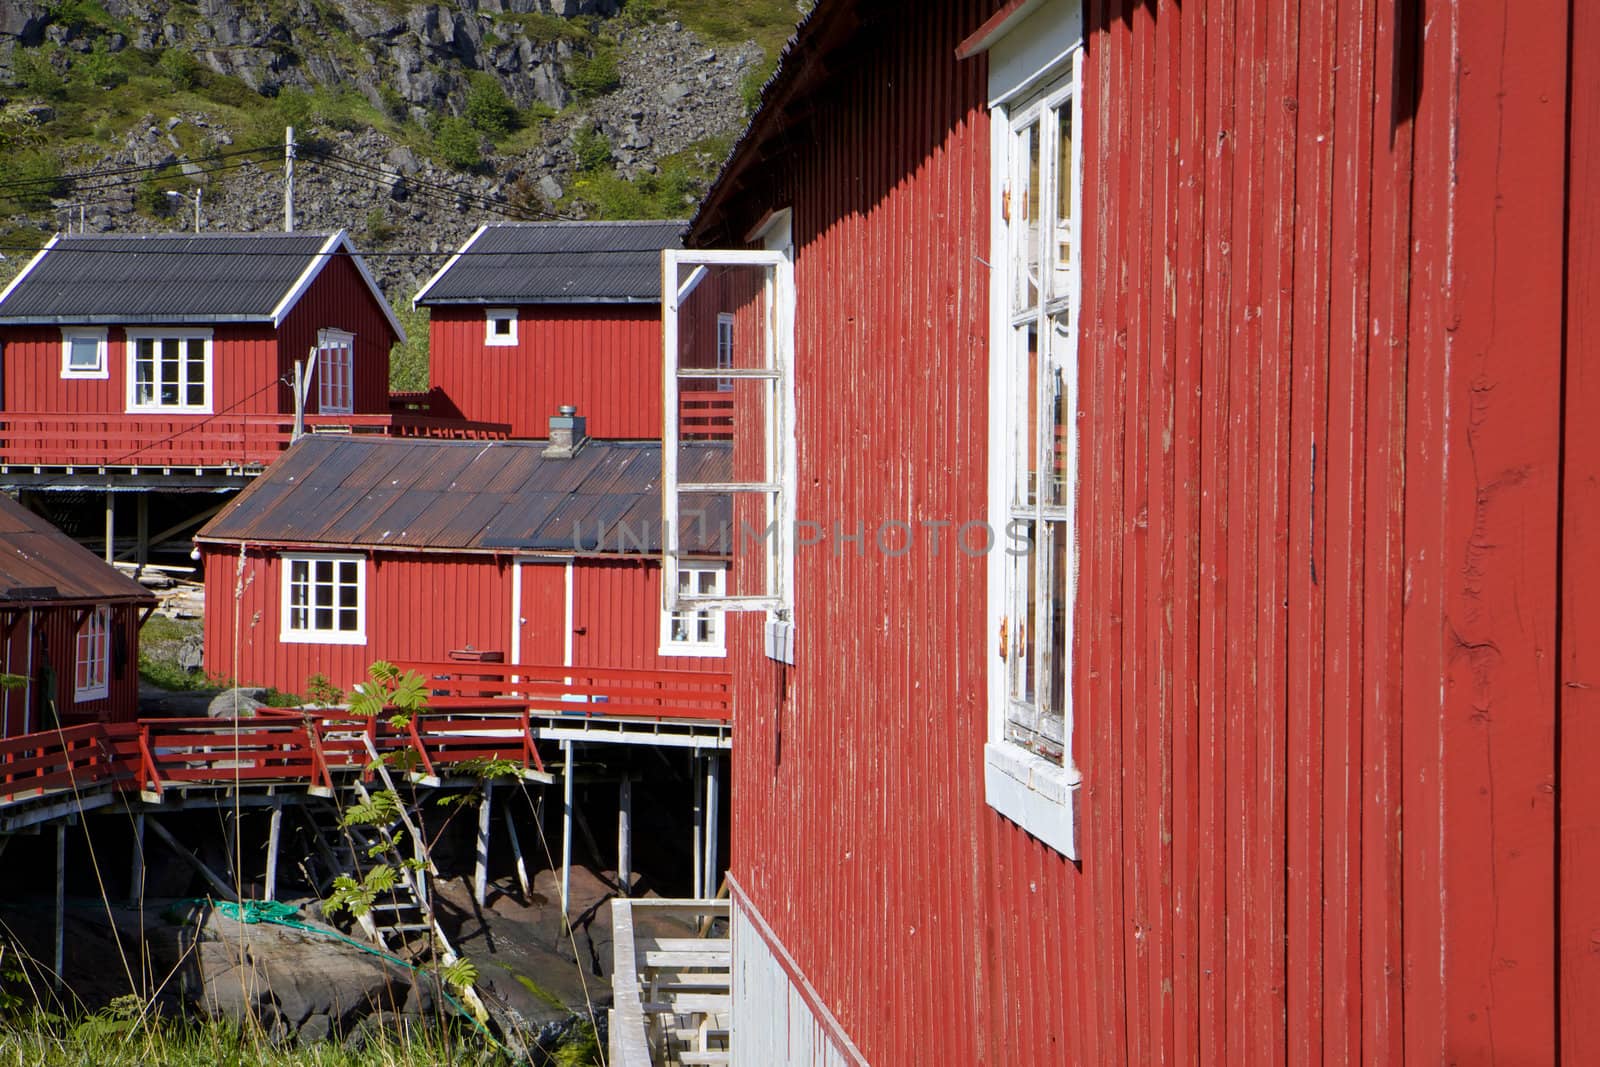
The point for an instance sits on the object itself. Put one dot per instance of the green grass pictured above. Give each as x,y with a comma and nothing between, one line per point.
766,22
159,641
121,1039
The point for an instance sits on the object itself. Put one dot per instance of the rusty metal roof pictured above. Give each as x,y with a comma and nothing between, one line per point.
468,496
41,565
556,263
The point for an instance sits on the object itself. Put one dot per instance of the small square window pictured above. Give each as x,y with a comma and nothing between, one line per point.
501,328
695,630
83,353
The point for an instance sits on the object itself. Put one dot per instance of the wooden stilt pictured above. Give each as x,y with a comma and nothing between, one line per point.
224,890
566,832
142,529
713,790
695,760
480,873
274,835
136,868
625,836
516,854
111,525
61,902
230,847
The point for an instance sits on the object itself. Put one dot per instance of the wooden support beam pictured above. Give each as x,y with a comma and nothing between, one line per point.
566,833
713,790
111,526
136,867
699,824
224,890
274,836
177,528
625,835
516,854
141,546
480,870
61,902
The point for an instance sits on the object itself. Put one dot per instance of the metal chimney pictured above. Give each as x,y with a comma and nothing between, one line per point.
567,433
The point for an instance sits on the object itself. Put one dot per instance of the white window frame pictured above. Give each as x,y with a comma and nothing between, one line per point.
717,645
336,386
93,650
157,336
1036,793
97,334
779,483
724,349
495,315
311,634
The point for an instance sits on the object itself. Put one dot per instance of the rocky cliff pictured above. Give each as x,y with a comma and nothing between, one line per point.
415,122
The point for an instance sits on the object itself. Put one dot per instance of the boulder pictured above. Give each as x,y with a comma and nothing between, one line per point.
238,703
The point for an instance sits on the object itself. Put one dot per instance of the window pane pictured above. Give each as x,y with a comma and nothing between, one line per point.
144,373
1021,600
1066,180
1057,428
85,353
1024,214
1026,438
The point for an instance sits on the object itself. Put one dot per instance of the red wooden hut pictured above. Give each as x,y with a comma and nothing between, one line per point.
69,628
529,316
132,352
350,551
1175,647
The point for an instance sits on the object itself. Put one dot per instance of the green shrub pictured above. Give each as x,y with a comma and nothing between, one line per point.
98,68
750,85
180,68
592,148
488,108
457,143
29,180
34,70
594,74
408,360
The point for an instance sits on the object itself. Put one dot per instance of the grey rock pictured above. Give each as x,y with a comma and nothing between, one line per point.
549,188
240,703
174,122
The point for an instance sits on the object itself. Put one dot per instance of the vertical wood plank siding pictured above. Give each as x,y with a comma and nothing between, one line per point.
1330,252
53,634
339,299
604,359
420,607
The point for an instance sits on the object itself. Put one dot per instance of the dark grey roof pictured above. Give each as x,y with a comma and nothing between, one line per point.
556,263
169,278
468,496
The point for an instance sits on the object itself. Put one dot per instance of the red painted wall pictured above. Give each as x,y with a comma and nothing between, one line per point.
420,607
605,359
340,299
1320,531
52,632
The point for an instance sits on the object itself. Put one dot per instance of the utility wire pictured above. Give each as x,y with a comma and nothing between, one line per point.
105,172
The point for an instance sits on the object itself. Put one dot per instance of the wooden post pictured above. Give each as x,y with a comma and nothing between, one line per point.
142,527
713,789
625,836
699,820
566,832
230,846
516,854
274,834
136,869
111,525
61,900
480,874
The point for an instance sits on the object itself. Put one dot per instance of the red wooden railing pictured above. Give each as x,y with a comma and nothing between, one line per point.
705,416
476,711
117,440
598,691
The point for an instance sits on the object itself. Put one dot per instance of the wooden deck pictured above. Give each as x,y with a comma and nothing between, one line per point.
671,995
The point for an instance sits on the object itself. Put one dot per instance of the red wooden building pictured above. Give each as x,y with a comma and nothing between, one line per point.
69,628
1256,725
349,551
131,352
529,316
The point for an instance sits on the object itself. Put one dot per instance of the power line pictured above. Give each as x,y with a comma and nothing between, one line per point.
413,182
433,192
107,172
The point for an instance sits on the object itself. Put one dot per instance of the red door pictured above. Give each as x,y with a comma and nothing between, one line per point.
542,623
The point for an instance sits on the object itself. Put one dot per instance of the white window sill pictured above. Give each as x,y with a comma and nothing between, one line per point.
85,373
701,651
321,637
500,342
1037,795
172,409
81,695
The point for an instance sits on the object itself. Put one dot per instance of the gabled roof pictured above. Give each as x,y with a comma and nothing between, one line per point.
41,565
168,278
555,263
465,496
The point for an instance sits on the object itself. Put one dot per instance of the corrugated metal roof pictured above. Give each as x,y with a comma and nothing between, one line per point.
556,263
167,278
469,496
40,564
